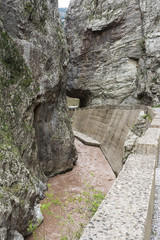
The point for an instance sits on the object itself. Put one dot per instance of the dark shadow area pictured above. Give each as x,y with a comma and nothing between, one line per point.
83,95
147,100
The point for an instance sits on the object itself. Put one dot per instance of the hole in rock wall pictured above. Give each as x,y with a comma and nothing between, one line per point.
143,96
83,96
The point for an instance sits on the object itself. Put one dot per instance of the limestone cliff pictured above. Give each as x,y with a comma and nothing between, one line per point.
114,51
35,133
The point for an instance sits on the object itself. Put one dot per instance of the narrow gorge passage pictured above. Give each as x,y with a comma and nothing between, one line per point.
69,212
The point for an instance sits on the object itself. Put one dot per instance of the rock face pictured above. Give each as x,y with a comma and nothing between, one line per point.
114,51
35,132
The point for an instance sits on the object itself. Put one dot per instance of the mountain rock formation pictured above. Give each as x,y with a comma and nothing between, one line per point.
35,132
114,51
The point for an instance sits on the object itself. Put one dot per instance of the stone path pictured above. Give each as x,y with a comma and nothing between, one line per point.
156,216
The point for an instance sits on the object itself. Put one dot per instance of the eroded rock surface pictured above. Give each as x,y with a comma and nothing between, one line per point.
35,132
114,51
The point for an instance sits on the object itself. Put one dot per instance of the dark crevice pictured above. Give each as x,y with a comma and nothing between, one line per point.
143,96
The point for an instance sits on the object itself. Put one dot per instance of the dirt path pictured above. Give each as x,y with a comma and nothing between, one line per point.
72,198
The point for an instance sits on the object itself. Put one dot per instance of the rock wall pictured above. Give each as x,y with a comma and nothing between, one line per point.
114,51
35,133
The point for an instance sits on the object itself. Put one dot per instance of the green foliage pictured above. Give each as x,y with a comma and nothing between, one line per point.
32,228
142,45
64,238
97,199
36,11
154,80
84,205
1,196
14,189
156,106
147,116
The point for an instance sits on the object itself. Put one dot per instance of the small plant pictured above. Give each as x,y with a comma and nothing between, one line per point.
156,106
97,199
31,228
67,211
36,11
64,238
147,116
154,80
142,45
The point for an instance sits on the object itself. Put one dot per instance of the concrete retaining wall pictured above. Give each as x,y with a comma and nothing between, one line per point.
109,127
126,212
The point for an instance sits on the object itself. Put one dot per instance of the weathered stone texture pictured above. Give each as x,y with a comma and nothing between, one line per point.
35,132
114,51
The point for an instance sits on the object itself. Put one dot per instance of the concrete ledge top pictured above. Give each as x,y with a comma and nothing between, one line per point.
151,136
123,214
155,123
86,140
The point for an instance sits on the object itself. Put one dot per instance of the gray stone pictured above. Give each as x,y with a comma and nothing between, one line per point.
37,213
35,133
14,235
3,233
114,52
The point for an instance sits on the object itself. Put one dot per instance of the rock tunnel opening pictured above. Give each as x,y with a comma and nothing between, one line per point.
143,96
78,95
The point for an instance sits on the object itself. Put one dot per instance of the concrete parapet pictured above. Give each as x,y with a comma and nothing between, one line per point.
126,212
149,143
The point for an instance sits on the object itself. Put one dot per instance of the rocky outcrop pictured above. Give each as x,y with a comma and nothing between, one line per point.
35,133
114,51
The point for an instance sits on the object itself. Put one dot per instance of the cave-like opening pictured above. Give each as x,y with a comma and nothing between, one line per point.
83,97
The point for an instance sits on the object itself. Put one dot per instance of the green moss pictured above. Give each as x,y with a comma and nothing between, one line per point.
29,128
36,11
14,68
156,106
154,80
28,8
60,35
14,188
142,45
147,116
5,134
17,100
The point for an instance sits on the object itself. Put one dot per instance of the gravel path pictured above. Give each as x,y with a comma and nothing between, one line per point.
156,216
